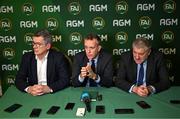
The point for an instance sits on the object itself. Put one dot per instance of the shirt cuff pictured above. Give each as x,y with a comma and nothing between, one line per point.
130,90
153,89
26,89
51,91
80,79
98,79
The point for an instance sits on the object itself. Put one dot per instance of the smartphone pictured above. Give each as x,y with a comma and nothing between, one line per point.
53,110
35,112
100,109
124,111
175,101
143,104
69,106
13,107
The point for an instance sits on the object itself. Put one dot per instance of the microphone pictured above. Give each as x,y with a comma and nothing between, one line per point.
86,99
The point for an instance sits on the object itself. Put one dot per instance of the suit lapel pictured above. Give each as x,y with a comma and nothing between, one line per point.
99,62
134,69
34,69
149,69
85,61
134,73
49,67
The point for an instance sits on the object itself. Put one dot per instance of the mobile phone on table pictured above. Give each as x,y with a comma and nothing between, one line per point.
175,101
53,109
100,109
13,107
69,106
143,104
124,111
35,112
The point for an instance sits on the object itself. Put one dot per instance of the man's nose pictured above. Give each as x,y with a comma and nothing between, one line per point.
89,50
137,56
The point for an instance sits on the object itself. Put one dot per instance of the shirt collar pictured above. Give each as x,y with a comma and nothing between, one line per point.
96,58
145,62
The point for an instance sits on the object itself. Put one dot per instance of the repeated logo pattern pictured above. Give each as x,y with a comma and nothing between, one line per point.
117,22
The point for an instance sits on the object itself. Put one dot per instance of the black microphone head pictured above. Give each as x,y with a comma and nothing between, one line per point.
86,99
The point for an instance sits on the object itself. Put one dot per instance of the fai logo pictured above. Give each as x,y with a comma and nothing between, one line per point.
52,24
28,8
75,38
121,37
5,24
98,23
28,38
167,36
121,7
8,53
145,22
169,6
74,8
10,79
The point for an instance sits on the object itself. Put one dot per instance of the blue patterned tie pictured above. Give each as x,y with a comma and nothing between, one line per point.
91,81
141,75
93,65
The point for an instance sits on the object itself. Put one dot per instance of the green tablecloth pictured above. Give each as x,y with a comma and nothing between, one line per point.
112,98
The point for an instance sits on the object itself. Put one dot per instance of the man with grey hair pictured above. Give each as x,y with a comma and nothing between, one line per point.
142,71
44,70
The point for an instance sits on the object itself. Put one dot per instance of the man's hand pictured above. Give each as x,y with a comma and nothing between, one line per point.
141,90
87,71
36,90
90,74
84,72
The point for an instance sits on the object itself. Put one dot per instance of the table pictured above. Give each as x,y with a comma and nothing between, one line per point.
112,98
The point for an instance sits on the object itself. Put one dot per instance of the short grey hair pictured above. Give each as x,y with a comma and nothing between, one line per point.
141,42
92,36
45,34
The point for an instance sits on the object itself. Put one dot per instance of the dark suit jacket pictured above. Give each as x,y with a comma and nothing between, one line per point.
57,71
104,68
156,73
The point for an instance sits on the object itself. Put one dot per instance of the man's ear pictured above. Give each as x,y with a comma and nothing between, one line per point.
99,47
48,46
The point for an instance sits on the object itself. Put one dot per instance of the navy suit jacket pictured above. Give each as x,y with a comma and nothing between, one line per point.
104,68
156,73
57,71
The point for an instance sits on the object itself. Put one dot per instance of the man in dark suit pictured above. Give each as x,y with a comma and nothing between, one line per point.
92,67
142,70
44,70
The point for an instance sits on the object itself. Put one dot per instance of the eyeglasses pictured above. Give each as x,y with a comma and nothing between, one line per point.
38,44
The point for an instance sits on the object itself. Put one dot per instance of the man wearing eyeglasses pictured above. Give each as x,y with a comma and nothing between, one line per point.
44,70
142,71
92,67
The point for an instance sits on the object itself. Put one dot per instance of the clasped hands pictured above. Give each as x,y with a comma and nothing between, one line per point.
36,90
87,72
142,90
